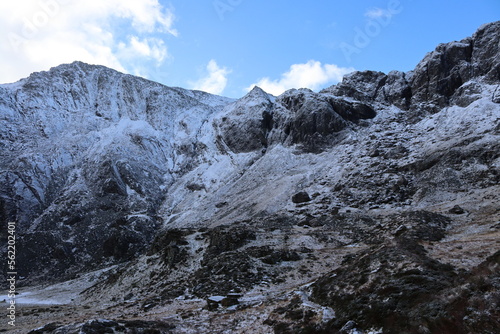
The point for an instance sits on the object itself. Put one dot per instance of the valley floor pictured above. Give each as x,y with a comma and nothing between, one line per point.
471,237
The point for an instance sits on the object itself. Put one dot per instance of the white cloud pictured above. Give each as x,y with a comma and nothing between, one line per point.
152,48
375,13
215,81
312,75
39,34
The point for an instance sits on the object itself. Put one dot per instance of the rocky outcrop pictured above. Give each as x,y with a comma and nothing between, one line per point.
437,81
401,290
392,285
316,120
363,86
108,326
247,122
303,117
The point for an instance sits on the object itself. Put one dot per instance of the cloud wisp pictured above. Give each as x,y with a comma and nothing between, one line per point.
312,75
215,81
375,13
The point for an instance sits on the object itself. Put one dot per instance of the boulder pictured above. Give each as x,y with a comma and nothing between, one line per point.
301,197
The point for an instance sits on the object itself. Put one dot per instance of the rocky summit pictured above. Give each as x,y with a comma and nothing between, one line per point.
371,206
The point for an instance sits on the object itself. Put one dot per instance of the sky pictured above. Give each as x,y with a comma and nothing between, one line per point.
226,47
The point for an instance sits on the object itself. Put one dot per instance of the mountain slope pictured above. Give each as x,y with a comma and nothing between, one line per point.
87,153
369,206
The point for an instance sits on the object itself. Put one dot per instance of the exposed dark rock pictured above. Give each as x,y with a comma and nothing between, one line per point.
171,245
295,117
352,111
281,255
439,80
457,209
466,94
245,127
396,152
486,52
301,197
259,251
214,302
396,90
440,74
195,186
436,79
496,95
223,239
361,86
221,204
99,326
390,287
313,121
439,170
229,271
48,328
349,326
295,318
422,225
102,326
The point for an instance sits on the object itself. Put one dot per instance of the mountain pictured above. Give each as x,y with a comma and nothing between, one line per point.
368,207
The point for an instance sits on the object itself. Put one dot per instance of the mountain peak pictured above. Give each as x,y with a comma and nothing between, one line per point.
256,91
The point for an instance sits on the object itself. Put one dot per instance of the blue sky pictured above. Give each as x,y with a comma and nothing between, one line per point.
227,46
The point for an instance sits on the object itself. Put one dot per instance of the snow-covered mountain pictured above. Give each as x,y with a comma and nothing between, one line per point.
88,154
371,205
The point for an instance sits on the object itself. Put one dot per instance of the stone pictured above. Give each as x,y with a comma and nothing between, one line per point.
496,95
229,301
213,302
301,197
457,209
223,239
349,326
46,329
195,186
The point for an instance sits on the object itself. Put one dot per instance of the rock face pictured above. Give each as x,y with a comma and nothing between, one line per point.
370,206
87,153
247,122
439,80
303,117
